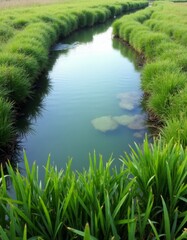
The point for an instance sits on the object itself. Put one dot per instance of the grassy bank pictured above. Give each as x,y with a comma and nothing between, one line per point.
145,199
159,33
26,35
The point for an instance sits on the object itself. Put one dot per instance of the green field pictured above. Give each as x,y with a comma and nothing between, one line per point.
146,198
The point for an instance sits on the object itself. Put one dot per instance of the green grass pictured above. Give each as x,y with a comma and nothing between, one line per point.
144,199
27,63
6,121
6,32
159,33
15,81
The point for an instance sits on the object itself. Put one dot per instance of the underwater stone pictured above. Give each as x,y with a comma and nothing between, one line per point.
104,124
128,100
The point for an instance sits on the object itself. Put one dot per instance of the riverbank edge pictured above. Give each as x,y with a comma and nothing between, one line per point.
163,78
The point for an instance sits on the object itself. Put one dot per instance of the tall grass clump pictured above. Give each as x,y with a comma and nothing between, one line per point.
27,63
116,10
42,33
68,23
16,82
154,69
30,49
128,29
146,41
160,169
164,87
90,17
6,122
20,23
102,15
6,32
99,196
173,52
82,21
144,199
174,130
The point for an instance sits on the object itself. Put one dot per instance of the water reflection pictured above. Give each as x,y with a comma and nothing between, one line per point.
28,111
82,36
126,51
32,109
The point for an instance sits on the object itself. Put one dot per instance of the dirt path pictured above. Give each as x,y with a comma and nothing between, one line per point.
22,3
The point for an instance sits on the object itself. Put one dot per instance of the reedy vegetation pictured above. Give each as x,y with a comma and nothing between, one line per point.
159,33
26,35
144,199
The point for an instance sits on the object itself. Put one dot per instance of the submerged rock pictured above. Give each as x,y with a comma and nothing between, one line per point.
138,123
138,134
124,119
129,100
109,123
104,124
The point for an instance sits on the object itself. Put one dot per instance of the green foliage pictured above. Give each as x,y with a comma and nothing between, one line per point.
160,168
143,199
30,48
15,81
6,122
162,89
98,196
174,130
159,33
20,23
27,63
154,69
90,16
6,32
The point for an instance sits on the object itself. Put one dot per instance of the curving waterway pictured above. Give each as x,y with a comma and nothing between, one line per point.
94,102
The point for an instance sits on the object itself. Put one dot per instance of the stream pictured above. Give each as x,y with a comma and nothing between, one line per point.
92,102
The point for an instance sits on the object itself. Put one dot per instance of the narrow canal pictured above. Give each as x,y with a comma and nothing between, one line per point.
94,102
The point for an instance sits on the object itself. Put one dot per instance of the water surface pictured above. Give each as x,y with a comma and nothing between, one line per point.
95,90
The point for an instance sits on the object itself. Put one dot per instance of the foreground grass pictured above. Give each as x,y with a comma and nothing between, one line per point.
26,36
160,34
144,199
